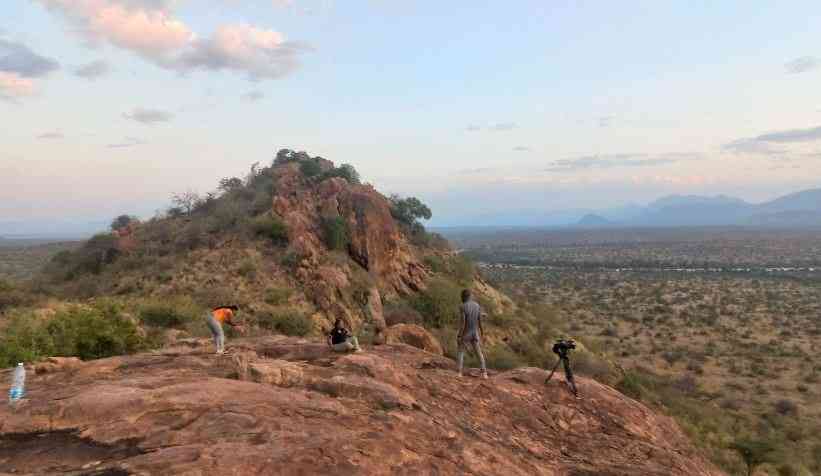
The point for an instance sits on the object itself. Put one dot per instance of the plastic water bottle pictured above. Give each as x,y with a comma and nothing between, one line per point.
18,384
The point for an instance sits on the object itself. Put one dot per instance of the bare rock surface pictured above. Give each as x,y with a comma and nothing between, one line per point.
283,406
416,336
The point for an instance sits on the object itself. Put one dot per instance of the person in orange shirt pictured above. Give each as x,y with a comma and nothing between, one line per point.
215,319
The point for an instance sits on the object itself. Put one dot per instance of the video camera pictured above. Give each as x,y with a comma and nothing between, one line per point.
562,347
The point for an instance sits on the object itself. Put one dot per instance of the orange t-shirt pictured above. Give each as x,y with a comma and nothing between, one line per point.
223,315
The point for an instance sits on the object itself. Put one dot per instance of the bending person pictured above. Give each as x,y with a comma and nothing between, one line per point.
470,330
215,319
341,340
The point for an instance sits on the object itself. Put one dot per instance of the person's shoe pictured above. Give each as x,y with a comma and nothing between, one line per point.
220,352
484,375
459,375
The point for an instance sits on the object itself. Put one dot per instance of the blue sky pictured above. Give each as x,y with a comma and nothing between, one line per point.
479,108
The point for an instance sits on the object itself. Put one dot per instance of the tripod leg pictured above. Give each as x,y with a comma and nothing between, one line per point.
568,374
553,371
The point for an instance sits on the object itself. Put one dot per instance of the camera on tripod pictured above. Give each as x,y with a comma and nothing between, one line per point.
562,347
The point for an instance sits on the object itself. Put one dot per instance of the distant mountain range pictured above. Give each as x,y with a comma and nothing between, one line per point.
801,209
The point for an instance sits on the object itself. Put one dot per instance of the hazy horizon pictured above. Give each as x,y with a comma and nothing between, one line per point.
517,107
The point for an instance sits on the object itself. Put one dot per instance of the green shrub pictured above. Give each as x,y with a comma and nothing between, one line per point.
439,303
277,296
271,227
500,357
335,233
79,331
310,168
346,171
247,268
287,321
173,313
463,270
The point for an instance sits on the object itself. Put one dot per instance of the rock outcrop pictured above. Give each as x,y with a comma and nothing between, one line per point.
376,242
415,336
284,406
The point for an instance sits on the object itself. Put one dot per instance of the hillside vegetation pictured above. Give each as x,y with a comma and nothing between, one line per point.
296,244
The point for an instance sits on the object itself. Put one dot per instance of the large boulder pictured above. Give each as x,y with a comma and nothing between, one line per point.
415,336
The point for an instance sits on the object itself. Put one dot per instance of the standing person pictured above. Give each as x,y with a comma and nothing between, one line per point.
215,319
470,330
341,340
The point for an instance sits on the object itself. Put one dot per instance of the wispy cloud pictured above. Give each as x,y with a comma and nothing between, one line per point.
604,161
253,96
605,121
148,116
150,29
802,65
503,126
52,135
93,70
521,148
127,142
751,147
19,67
762,144
498,126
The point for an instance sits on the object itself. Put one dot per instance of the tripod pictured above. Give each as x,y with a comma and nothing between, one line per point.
568,373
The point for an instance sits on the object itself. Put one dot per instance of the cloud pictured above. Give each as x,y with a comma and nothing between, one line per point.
792,135
761,144
802,65
93,70
606,121
262,54
503,126
19,66
127,142
253,96
473,128
149,29
149,116
616,160
521,148
13,86
51,135
751,147
19,59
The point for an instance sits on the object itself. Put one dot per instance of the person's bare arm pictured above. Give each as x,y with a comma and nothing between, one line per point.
481,318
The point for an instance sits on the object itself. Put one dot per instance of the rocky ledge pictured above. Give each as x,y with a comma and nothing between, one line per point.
281,405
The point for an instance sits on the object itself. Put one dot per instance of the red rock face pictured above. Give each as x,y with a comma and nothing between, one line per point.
283,406
376,243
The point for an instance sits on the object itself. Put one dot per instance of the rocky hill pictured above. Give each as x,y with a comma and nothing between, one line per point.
279,405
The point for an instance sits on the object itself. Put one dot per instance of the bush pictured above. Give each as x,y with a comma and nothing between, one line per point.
290,322
463,270
271,227
277,296
439,303
335,233
401,313
247,268
310,168
346,171
79,331
500,357
173,313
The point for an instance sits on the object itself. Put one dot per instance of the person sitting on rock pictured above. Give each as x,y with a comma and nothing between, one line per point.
215,319
470,330
341,340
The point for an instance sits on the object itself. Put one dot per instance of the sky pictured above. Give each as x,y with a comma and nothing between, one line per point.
481,109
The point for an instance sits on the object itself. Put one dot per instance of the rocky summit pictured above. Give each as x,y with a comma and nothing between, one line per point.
282,405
